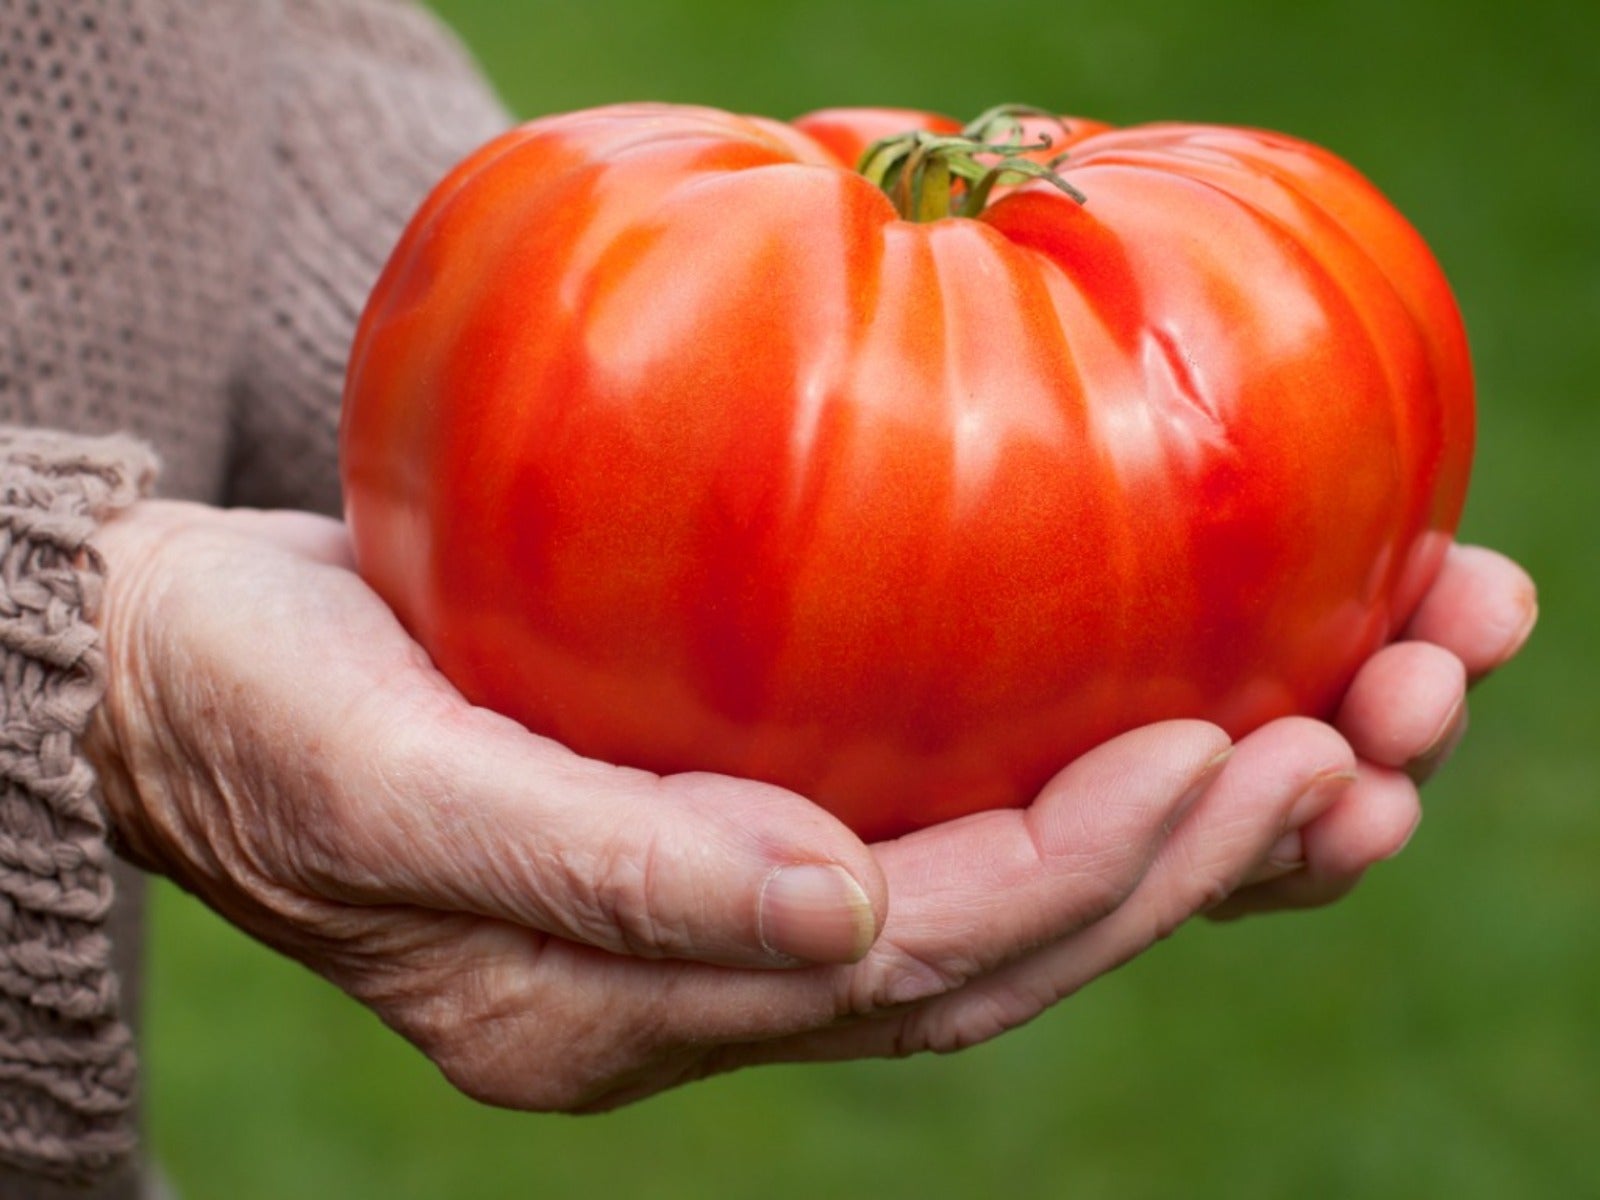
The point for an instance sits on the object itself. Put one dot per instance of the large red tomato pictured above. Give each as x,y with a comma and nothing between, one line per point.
669,436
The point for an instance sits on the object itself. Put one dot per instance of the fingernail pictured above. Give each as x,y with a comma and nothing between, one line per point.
1514,644
1427,764
815,913
1524,631
1319,794
1288,853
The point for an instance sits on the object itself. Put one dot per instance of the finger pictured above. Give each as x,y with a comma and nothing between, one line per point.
1284,774
1482,609
1406,707
1370,823
975,893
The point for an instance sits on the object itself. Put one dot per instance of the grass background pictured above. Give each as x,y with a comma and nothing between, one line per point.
1437,1034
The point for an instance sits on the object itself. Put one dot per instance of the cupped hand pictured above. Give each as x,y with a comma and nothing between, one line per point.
556,933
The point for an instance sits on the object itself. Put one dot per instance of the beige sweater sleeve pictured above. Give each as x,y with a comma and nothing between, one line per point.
68,1073
194,200
374,103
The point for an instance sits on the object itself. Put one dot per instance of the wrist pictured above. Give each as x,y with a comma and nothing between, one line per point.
130,547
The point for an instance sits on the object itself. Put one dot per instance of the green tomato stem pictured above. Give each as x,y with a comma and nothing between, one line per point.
930,176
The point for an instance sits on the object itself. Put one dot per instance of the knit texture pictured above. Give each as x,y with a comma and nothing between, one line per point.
371,107
67,1066
195,198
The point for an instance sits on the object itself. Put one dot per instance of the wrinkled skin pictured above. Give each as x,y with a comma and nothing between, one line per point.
667,437
557,933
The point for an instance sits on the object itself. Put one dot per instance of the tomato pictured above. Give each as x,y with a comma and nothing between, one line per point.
668,435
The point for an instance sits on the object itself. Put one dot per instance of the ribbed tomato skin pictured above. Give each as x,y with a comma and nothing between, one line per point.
667,437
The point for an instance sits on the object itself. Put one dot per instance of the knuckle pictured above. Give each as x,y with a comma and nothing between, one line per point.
1102,883
977,1019
399,759
891,977
1210,891
623,897
1102,867
357,791
965,1021
1208,879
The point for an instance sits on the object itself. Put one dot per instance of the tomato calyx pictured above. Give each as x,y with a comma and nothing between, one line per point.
930,176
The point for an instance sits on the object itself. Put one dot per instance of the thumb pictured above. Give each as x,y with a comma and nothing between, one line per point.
467,811
379,784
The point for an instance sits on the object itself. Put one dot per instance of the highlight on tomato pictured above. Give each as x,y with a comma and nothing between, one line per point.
899,462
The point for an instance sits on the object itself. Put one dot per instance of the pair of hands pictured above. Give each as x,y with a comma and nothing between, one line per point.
557,933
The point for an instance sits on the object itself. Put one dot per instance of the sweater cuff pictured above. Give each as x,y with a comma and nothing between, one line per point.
68,1069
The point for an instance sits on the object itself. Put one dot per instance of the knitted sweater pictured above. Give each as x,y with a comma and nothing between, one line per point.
195,196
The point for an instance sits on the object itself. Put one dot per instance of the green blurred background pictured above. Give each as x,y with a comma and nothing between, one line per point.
1437,1034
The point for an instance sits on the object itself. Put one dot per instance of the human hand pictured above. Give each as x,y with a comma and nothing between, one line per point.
1404,714
557,933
